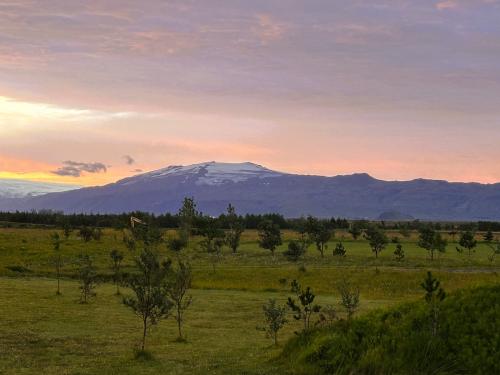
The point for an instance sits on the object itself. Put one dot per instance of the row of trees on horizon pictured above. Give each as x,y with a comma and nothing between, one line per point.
250,221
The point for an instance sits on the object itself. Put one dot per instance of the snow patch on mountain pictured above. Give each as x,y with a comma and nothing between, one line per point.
214,173
11,188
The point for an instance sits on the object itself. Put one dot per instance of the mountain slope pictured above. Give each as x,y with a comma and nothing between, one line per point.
255,189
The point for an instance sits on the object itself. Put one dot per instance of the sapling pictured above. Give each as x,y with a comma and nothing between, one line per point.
116,262
150,302
349,297
87,275
275,319
339,250
57,259
177,289
434,295
304,308
399,253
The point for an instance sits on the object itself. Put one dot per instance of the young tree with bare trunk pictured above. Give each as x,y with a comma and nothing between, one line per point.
305,307
377,239
467,241
150,302
431,241
349,297
269,235
236,228
87,275
116,262
177,289
319,234
57,259
275,319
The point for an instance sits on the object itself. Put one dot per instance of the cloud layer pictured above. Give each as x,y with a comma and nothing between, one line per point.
396,88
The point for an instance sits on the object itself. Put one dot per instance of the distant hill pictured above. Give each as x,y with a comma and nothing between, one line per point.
12,188
395,216
256,189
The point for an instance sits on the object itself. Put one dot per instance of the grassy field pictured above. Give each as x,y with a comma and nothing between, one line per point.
42,332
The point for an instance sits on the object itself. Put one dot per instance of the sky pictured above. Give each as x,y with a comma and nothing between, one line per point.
93,91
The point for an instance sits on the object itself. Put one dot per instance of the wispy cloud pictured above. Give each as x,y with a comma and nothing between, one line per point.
129,160
75,169
12,108
447,4
269,29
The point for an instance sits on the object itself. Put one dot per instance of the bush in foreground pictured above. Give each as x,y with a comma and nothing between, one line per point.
399,341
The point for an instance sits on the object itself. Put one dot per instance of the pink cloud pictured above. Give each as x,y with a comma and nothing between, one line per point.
269,29
447,4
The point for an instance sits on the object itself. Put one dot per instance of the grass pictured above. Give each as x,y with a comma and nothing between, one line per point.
42,332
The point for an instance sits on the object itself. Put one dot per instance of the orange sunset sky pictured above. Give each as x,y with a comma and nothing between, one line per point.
94,91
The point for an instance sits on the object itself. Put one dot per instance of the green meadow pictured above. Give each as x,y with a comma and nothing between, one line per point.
44,333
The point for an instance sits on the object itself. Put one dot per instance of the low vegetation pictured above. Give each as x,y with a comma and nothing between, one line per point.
406,339
188,299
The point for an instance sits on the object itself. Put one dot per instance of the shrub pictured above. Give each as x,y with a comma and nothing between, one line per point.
397,341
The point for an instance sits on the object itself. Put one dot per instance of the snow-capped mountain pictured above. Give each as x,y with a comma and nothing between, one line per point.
252,188
11,188
210,173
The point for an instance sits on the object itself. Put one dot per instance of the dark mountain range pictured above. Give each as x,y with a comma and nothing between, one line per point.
255,189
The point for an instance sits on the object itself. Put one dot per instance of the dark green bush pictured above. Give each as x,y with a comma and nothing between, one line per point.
400,340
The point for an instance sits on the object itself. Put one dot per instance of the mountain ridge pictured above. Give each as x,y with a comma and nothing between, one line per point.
255,189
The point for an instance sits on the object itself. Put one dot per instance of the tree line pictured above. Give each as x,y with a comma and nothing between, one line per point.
251,221
120,221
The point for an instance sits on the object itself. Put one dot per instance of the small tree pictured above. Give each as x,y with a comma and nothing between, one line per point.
349,297
57,259
295,251
355,230
86,233
319,234
149,235
434,295
399,253
431,240
213,239
187,216
235,231
304,239
377,239
150,302
305,308
67,229
275,319
339,250
467,241
178,286
116,262
488,236
87,275
177,242
269,235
